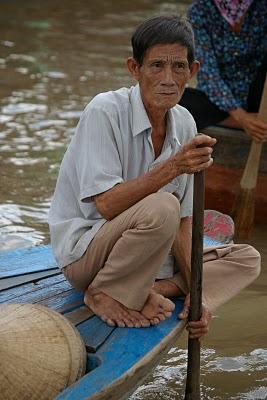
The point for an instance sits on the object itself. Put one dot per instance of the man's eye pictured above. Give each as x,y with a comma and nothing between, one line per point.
157,64
180,66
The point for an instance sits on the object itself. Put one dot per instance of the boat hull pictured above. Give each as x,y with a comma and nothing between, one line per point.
118,359
223,177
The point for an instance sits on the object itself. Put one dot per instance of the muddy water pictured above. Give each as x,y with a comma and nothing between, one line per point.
54,57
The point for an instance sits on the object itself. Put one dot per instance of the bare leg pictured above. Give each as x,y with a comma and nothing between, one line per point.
167,288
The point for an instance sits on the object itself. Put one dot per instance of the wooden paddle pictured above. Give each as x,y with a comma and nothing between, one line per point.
244,205
192,391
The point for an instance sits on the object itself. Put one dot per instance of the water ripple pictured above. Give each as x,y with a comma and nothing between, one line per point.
21,108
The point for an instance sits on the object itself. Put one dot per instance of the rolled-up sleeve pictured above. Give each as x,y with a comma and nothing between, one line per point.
97,158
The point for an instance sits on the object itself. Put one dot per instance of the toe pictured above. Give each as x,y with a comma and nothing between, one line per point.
168,314
145,323
109,321
155,321
137,324
167,305
121,324
161,316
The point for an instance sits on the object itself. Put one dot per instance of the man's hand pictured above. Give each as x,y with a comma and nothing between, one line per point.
191,158
254,127
196,329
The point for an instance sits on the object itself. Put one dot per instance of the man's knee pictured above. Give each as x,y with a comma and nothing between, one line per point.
162,209
251,259
256,257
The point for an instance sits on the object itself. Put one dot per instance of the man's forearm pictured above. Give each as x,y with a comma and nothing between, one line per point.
124,195
189,159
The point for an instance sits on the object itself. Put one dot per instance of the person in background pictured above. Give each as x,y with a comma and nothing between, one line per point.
123,198
231,45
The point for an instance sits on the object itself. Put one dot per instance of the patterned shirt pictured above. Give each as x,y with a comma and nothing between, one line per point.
229,59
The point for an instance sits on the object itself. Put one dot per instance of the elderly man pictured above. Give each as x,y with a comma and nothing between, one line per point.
120,215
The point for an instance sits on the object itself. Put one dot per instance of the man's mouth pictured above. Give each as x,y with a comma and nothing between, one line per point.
167,93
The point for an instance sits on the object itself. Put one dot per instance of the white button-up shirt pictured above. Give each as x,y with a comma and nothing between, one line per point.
112,144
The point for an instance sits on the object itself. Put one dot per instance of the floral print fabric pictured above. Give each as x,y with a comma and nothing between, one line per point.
233,10
229,59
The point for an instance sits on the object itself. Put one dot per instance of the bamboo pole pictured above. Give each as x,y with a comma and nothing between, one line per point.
244,205
192,391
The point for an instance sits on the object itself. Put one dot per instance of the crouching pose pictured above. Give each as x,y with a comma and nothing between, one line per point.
120,215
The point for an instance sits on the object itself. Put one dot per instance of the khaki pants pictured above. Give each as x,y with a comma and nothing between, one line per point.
127,253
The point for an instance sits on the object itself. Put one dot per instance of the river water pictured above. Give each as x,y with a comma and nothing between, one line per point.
54,57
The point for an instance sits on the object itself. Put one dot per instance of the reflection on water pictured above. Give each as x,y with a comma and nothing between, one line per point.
53,60
165,383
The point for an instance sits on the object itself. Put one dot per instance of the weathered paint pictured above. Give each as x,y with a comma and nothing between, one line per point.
26,260
122,349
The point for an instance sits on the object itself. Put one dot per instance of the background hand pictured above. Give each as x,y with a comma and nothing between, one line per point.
254,127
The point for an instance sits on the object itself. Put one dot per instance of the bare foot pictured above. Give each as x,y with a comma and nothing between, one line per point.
157,308
112,312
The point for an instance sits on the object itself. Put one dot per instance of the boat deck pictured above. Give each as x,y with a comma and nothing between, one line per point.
116,357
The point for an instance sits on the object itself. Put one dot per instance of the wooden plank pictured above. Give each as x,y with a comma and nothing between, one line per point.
26,260
10,295
6,283
79,315
63,301
36,292
125,358
94,333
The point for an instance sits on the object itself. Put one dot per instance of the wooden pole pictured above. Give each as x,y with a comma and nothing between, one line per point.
192,391
244,205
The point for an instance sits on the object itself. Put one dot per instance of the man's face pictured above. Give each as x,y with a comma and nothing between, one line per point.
163,76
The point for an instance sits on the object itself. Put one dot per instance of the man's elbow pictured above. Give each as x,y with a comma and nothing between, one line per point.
103,207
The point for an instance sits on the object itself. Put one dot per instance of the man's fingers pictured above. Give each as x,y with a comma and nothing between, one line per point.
202,139
184,313
198,324
197,331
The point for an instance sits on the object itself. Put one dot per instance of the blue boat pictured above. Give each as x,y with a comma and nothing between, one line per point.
118,359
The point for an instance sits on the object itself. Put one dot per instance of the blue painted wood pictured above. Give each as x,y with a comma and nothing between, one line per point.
38,292
26,260
94,332
116,349
121,351
12,294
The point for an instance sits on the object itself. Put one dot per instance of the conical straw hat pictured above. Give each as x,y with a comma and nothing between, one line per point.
41,353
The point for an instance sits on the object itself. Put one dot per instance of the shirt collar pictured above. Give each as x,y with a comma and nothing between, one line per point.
140,120
172,128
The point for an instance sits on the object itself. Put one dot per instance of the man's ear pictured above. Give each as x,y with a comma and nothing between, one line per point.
194,68
133,68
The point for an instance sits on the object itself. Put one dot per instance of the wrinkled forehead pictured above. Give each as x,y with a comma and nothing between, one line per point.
167,52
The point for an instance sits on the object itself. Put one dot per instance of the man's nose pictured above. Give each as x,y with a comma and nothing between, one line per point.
168,76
